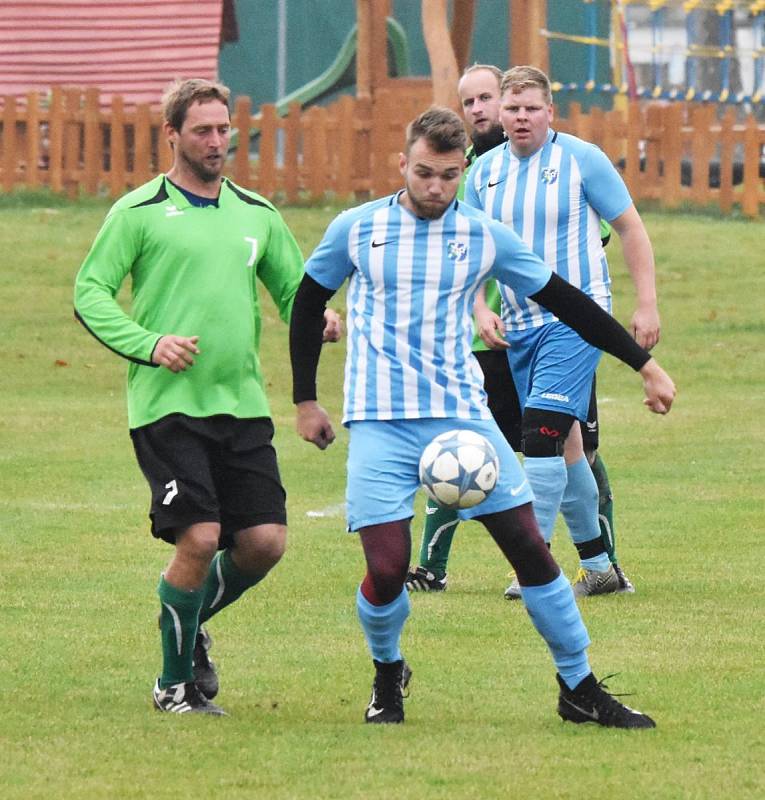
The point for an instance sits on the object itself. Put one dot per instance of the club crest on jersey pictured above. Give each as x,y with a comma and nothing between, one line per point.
456,250
549,175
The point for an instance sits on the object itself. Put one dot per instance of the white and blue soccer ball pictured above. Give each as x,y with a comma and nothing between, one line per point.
459,469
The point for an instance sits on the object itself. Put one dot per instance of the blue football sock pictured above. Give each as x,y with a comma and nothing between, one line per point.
555,615
580,510
547,478
383,625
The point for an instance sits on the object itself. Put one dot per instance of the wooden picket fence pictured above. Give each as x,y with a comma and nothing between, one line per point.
69,141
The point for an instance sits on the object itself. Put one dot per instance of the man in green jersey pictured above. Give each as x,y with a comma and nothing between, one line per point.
480,97
194,245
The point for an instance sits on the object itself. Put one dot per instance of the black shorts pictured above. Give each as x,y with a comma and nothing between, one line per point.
213,469
591,428
503,398
506,409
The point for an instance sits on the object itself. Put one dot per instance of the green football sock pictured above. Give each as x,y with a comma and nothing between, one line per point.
225,583
178,623
605,507
440,526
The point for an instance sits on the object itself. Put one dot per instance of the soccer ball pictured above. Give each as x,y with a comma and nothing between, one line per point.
459,469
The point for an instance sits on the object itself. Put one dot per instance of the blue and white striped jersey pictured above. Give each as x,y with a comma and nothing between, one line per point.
554,200
410,301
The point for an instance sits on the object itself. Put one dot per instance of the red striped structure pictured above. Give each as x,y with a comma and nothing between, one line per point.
133,49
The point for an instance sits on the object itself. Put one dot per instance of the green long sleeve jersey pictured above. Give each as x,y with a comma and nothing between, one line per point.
493,299
194,273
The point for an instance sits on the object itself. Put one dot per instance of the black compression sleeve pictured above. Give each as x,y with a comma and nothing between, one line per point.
588,319
306,330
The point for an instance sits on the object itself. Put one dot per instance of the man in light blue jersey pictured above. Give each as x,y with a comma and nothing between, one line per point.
480,91
553,190
414,262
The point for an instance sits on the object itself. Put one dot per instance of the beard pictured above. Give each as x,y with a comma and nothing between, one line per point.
426,211
203,171
483,142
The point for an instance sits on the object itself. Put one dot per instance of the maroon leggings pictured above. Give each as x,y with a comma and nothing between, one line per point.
387,549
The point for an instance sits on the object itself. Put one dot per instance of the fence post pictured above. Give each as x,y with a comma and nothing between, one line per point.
291,150
72,130
142,144
92,151
701,150
613,126
315,151
574,118
596,126
345,137
164,151
362,147
726,160
381,116
117,156
9,143
56,135
750,203
242,119
33,140
632,153
267,150
673,153
652,175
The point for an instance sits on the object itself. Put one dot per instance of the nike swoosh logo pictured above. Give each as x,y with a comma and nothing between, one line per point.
430,510
373,712
493,183
593,714
379,244
517,490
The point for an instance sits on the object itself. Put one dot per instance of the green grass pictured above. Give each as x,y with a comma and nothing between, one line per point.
78,571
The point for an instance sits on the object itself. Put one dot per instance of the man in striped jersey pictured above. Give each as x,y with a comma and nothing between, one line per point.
480,91
414,262
553,190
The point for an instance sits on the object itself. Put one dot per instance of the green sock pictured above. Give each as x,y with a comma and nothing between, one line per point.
437,535
225,583
178,623
605,507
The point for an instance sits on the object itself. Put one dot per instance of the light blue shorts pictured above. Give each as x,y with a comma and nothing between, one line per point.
553,368
383,469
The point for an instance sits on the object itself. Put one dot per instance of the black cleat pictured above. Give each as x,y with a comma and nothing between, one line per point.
625,584
387,702
184,698
589,702
205,675
422,580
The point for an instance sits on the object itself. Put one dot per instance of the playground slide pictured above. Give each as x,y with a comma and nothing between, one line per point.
341,74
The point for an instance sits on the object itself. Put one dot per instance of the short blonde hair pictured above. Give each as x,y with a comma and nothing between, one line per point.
182,94
518,79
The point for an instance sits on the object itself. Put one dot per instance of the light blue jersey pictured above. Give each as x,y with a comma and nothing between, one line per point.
554,200
412,283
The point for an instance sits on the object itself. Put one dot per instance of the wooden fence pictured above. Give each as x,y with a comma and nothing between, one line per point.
671,153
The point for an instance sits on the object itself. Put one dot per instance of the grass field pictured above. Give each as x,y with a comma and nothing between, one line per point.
78,571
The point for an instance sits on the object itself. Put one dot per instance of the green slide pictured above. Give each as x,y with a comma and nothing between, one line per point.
341,73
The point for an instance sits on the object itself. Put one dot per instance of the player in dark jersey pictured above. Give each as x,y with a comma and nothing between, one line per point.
194,245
